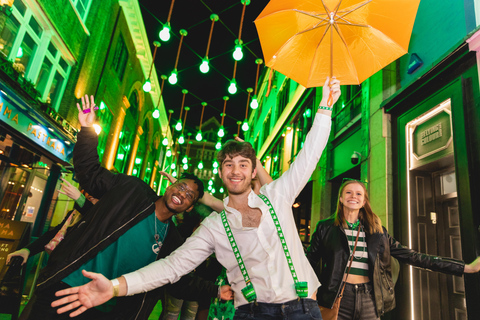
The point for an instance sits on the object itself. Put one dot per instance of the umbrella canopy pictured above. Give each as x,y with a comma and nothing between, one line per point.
308,40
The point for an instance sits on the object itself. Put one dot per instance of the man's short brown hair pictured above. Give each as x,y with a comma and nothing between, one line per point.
233,148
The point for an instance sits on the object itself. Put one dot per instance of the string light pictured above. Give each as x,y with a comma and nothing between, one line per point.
165,140
221,131
254,103
147,86
181,140
199,135
245,122
179,126
238,53
165,33
174,75
205,67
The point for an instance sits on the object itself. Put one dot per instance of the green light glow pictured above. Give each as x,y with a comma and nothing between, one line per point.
19,52
165,141
178,126
215,171
221,132
120,156
185,166
164,35
204,67
245,125
138,160
181,140
254,103
169,153
185,159
147,86
200,165
238,53
215,164
199,136
221,190
210,182
156,114
173,77
218,146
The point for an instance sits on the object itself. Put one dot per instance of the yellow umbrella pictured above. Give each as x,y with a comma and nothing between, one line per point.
308,40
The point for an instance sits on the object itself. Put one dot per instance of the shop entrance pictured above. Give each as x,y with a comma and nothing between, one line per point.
433,215
435,225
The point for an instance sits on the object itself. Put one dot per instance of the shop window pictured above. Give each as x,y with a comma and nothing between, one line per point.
82,7
120,58
34,54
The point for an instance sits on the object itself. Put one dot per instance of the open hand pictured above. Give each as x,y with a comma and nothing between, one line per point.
92,294
86,119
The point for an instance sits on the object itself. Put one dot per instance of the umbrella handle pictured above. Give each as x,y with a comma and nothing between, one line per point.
330,100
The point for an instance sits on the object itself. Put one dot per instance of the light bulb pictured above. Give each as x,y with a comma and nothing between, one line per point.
165,34
174,174
245,125
181,140
169,153
215,164
209,188
221,132
185,166
147,86
213,190
156,114
19,52
199,137
232,88
215,171
210,182
173,78
178,126
218,146
185,159
200,165
254,103
97,128
204,67
221,190
238,53
172,166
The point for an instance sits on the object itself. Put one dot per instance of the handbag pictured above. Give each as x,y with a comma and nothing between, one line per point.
332,314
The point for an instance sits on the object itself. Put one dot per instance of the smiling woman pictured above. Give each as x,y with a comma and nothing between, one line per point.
354,238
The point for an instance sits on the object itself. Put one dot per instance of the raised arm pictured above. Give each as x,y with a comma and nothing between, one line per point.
91,175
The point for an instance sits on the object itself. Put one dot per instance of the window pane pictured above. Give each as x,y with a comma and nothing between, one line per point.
35,26
80,9
7,37
63,64
20,6
52,50
43,75
55,89
25,52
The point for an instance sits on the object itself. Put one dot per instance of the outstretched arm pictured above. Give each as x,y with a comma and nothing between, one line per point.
99,291
473,267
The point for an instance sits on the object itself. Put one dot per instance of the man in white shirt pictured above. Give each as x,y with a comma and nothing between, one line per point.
255,238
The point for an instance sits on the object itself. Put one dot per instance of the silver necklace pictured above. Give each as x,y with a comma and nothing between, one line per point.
351,247
158,244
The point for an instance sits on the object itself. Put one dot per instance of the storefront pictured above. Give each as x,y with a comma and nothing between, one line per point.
435,200
34,152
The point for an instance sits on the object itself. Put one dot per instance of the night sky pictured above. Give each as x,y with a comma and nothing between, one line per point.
194,16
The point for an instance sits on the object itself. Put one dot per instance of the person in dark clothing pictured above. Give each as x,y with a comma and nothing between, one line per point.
128,228
369,290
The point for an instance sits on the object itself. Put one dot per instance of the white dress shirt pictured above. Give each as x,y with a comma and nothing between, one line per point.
261,250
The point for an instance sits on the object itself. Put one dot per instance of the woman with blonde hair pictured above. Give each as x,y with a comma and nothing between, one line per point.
368,288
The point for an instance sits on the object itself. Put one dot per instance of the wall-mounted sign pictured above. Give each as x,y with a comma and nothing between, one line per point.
47,138
433,135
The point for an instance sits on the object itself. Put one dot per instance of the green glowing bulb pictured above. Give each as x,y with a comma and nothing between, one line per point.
165,33
165,141
147,86
245,125
200,165
238,53
204,67
199,136
254,103
218,146
173,78
221,132
181,140
156,114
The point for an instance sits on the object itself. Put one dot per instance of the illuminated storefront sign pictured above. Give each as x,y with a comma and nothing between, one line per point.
433,135
47,138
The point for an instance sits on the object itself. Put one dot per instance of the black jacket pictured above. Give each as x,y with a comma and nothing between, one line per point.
124,201
329,255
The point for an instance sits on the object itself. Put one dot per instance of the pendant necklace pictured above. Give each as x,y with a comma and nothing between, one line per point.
158,244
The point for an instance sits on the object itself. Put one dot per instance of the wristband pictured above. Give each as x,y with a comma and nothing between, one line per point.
325,108
116,287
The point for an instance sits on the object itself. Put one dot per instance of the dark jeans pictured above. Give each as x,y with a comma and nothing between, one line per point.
358,303
302,309
42,309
